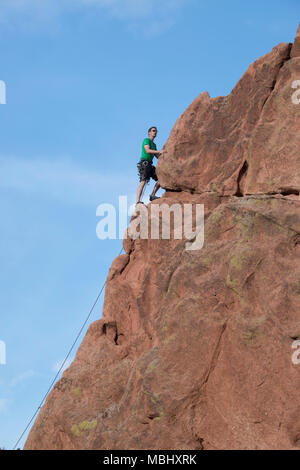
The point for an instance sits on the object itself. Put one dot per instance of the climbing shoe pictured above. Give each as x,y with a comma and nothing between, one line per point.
152,198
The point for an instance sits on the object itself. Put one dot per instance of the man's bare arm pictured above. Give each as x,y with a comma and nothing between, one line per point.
153,152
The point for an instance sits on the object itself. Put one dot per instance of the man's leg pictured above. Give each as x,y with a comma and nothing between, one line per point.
155,189
140,190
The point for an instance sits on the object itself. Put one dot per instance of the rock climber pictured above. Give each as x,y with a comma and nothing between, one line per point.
145,168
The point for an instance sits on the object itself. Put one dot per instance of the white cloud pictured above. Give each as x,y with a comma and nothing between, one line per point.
123,8
29,13
160,14
119,8
56,367
137,8
22,377
63,180
3,404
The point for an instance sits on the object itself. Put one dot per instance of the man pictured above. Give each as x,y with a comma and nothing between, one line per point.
145,168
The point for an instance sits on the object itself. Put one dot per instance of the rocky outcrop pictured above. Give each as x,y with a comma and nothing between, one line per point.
244,143
295,52
194,349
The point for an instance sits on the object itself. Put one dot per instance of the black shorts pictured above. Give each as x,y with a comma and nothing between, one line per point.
146,170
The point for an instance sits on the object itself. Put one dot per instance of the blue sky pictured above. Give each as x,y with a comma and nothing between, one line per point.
85,79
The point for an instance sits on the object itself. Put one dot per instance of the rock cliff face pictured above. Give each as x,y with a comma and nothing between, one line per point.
194,350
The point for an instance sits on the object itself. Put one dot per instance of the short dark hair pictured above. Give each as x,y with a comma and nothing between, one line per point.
150,129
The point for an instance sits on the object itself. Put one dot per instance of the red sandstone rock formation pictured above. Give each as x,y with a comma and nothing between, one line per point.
244,143
194,350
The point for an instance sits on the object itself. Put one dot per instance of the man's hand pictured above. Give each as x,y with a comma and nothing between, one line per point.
148,150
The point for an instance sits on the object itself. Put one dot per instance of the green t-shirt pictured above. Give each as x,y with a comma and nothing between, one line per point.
145,155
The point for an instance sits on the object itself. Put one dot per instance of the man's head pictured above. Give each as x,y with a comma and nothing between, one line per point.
152,132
